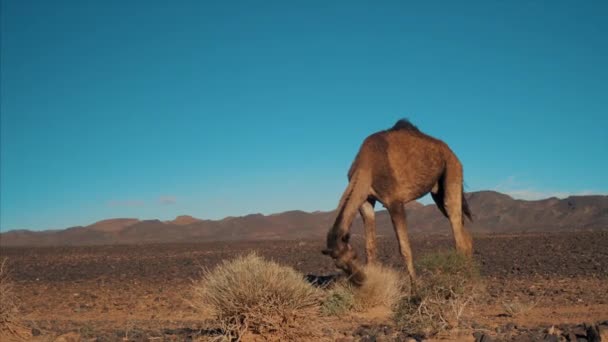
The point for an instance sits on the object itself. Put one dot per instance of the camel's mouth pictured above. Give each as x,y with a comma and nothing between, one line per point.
346,260
355,273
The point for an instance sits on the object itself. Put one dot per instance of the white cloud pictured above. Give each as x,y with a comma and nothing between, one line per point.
516,189
167,200
126,203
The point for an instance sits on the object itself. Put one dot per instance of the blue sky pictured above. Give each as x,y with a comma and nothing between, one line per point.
152,109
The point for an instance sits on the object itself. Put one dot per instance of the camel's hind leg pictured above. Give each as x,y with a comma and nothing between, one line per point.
397,212
451,193
369,224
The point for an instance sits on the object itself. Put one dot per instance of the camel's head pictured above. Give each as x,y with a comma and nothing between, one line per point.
338,246
345,257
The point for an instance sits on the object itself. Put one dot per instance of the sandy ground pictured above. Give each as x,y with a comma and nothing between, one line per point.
140,293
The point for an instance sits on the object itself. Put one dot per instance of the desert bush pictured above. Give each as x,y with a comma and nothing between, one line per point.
448,283
260,296
383,286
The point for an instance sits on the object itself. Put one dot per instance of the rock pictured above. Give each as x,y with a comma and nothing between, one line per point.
388,330
571,337
550,338
69,337
36,332
593,334
579,331
481,337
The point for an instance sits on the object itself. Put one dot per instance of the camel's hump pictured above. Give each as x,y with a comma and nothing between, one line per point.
404,124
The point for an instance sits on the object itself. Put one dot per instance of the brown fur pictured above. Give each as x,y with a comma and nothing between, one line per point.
394,167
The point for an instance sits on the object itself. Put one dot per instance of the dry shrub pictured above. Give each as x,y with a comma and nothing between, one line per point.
8,320
383,286
448,283
260,296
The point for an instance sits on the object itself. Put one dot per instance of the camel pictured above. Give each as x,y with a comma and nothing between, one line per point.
394,167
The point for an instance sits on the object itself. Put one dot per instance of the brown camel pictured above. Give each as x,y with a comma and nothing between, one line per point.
394,167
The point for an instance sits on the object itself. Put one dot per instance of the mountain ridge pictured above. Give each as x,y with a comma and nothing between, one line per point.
493,212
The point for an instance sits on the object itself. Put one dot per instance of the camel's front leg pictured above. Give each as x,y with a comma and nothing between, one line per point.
338,246
369,223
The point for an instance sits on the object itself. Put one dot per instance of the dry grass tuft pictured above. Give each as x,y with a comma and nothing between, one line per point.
259,296
517,307
449,283
383,286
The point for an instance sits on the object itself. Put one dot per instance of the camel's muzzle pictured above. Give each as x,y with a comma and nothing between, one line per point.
346,260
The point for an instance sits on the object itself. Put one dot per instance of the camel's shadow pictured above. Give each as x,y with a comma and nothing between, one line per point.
324,281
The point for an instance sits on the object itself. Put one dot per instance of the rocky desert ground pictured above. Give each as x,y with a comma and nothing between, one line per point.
539,286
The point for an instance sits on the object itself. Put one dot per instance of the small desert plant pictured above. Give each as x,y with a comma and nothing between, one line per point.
517,307
253,294
449,283
339,300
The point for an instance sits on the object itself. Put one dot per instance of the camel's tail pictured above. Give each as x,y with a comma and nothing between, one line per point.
439,199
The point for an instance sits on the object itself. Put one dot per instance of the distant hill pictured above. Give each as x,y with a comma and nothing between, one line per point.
493,213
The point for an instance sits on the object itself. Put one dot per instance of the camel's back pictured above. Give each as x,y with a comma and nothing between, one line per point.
405,141
404,154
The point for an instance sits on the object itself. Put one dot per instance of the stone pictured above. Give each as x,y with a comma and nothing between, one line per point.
388,330
593,334
481,337
550,338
